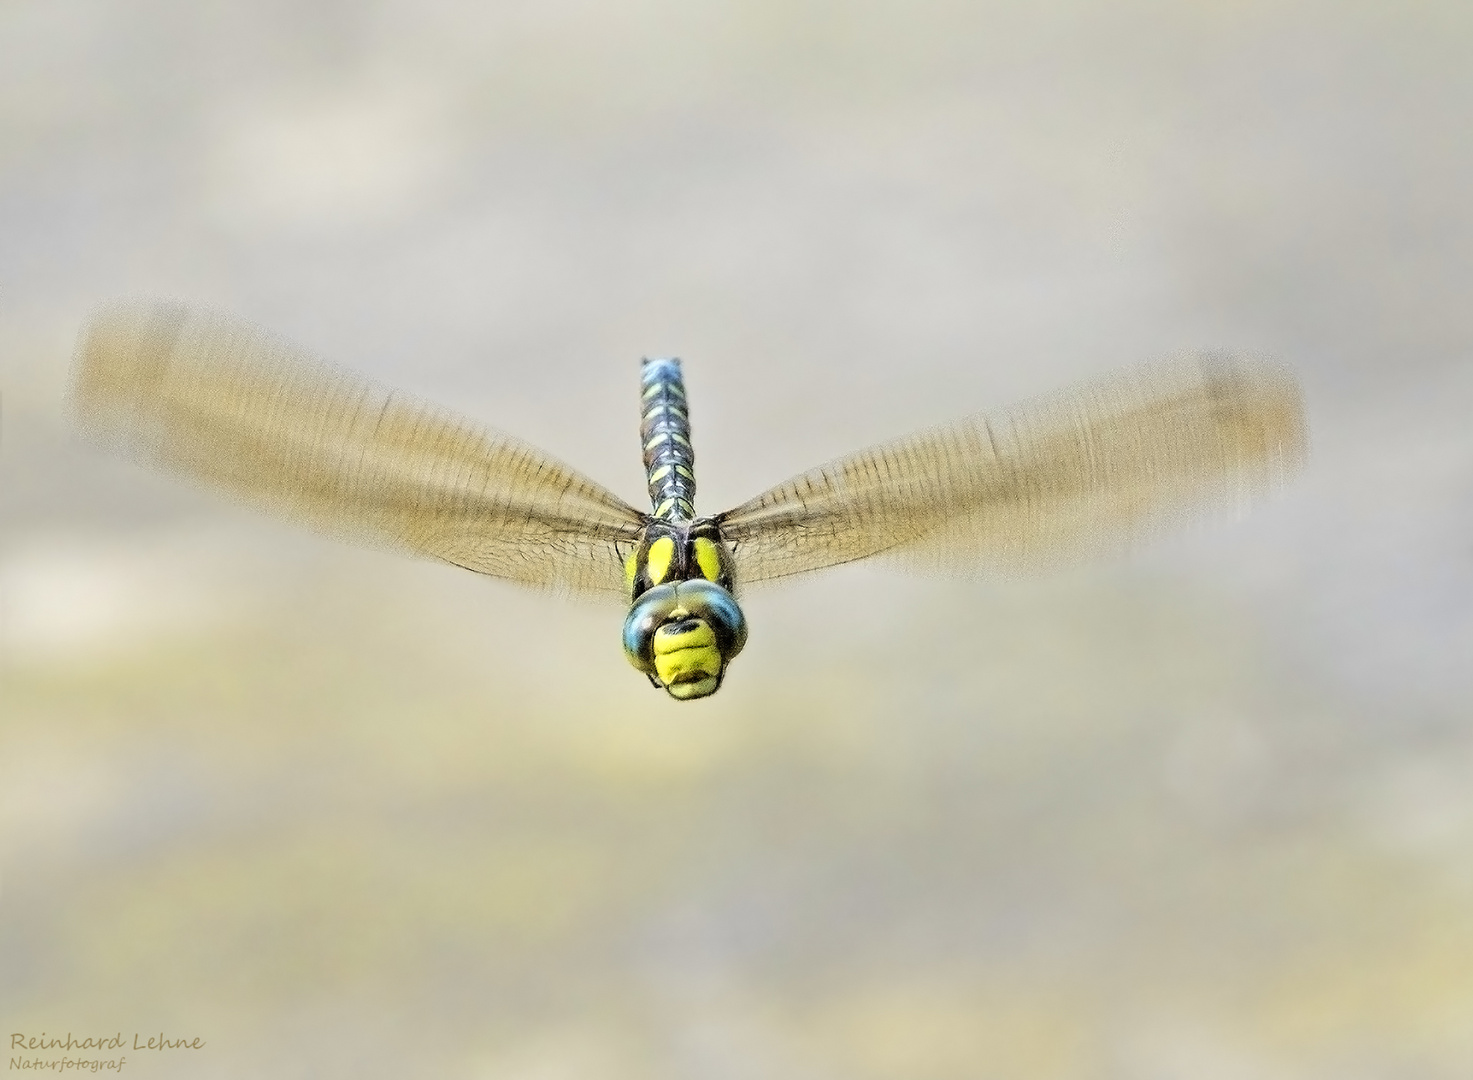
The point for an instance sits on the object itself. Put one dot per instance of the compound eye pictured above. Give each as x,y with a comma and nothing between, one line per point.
654,607
709,601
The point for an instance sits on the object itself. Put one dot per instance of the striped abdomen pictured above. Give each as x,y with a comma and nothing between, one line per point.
664,429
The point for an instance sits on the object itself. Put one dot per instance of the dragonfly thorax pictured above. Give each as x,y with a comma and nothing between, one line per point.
678,551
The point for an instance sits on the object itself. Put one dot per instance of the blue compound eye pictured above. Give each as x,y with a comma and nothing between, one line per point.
709,601
650,611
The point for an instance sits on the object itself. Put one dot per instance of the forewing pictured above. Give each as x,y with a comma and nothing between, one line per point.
1081,473
220,402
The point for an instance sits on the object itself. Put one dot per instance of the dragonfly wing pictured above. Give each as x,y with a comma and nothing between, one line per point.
223,403
1076,474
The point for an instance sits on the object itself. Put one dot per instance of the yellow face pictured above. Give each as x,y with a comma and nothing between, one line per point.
683,633
687,660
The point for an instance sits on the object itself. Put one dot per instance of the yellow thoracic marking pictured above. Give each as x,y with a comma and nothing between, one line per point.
631,567
708,558
662,551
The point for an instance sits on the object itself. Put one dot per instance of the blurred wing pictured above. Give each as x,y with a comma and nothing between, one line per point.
220,402
1079,473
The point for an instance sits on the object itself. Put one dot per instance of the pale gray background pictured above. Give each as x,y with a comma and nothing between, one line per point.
1205,813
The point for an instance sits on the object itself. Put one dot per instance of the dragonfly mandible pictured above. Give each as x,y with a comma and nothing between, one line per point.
1083,472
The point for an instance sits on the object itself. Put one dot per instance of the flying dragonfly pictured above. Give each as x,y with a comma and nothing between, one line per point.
1081,473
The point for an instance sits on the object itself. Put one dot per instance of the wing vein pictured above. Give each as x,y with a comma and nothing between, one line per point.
224,404
1096,469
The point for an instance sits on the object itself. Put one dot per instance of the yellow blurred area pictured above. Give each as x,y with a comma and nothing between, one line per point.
972,868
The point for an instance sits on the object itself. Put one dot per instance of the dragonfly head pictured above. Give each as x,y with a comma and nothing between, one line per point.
683,634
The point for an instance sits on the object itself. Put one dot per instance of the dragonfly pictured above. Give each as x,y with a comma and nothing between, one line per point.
1081,473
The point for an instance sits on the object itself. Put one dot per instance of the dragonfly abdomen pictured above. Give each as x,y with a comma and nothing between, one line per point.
664,430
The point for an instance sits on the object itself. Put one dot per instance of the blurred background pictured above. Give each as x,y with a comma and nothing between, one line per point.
1206,812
